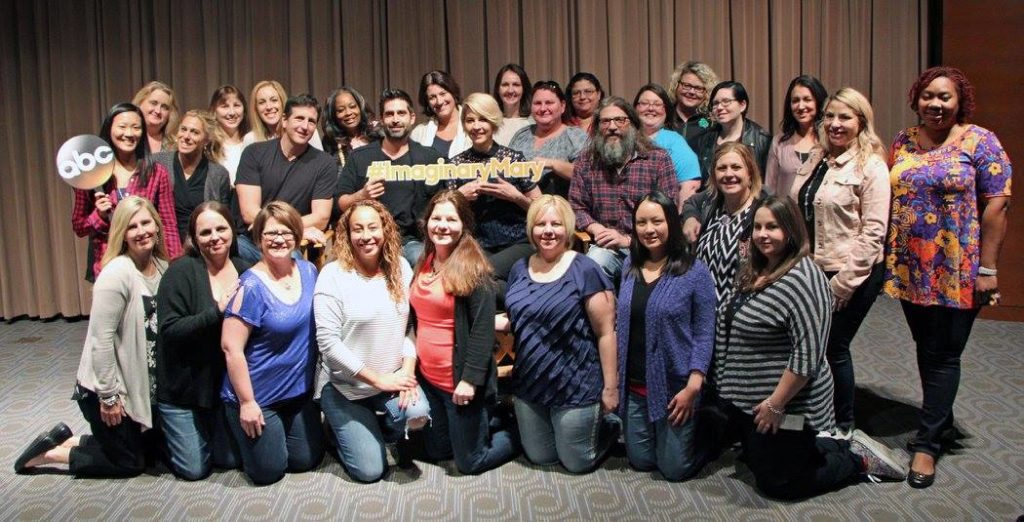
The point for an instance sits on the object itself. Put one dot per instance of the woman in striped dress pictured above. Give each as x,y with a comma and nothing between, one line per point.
770,372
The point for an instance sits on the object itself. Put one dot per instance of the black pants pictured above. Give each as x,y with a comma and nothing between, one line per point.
940,334
118,451
845,324
794,464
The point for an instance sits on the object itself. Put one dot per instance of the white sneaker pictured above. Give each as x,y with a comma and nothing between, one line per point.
842,434
880,461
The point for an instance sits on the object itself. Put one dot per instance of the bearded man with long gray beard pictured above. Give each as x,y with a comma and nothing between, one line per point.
619,166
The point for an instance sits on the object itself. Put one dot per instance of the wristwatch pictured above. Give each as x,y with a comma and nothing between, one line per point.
109,401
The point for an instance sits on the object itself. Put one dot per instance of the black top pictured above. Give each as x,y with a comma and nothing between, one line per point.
407,199
753,136
805,198
636,358
188,193
310,176
499,222
190,364
441,146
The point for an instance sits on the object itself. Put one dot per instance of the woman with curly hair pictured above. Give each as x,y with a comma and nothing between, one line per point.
368,362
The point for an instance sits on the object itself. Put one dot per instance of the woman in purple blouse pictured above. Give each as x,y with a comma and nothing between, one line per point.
665,325
950,190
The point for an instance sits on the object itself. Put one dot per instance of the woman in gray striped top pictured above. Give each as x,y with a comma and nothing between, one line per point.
367,377
770,371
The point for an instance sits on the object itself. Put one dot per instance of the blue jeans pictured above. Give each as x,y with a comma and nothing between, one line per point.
660,445
463,432
362,427
197,440
610,260
577,437
412,249
291,441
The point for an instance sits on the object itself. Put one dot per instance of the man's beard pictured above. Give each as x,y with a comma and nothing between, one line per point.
615,153
397,134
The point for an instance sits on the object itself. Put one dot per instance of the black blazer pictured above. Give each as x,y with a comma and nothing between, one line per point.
189,362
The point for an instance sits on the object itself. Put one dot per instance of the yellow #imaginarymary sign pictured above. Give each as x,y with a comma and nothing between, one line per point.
432,174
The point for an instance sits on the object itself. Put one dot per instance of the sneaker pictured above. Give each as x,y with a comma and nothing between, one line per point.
880,462
842,434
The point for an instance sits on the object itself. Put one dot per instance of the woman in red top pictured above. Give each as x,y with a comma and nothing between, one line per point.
453,299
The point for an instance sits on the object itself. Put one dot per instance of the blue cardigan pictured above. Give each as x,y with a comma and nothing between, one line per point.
680,333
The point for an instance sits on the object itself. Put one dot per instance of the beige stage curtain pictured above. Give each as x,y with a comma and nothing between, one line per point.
65,63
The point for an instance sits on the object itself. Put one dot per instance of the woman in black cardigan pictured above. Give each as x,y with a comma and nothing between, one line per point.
189,362
453,299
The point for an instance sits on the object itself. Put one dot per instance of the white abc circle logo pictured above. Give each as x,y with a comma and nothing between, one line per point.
82,161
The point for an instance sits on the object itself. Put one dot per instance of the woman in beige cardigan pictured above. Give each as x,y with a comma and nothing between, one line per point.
844,199
115,388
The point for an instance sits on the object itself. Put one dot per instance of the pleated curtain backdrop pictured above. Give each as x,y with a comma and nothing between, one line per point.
66,62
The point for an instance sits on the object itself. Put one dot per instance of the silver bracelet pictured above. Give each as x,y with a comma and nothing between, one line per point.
984,271
772,408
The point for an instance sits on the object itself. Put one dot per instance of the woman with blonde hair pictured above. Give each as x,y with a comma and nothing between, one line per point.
562,311
453,299
266,113
116,385
499,202
844,200
160,111
196,172
368,362
689,85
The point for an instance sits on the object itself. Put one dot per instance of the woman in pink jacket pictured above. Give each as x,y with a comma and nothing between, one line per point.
844,199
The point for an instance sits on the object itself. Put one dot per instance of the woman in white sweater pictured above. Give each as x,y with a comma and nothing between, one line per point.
115,388
368,362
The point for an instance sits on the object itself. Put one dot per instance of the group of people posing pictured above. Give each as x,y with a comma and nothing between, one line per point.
656,285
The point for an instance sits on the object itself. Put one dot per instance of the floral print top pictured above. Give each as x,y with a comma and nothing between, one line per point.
934,240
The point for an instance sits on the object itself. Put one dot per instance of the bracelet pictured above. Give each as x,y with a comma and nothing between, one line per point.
985,271
772,408
109,401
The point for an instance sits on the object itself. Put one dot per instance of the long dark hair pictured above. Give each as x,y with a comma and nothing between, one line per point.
467,266
223,92
818,92
145,166
524,100
678,250
192,242
788,216
335,137
443,80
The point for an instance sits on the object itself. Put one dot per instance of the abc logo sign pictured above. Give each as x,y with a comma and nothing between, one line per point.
82,161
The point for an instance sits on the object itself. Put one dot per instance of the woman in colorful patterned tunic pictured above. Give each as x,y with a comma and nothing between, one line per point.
951,188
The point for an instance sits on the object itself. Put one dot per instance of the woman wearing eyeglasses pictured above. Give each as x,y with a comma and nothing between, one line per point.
585,92
654,107
268,341
689,86
729,104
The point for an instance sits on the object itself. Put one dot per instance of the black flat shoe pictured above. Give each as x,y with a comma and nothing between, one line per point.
44,442
919,480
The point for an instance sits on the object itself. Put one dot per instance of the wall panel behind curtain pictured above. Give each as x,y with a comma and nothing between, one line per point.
65,65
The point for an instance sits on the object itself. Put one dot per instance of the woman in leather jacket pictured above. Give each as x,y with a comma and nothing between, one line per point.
729,104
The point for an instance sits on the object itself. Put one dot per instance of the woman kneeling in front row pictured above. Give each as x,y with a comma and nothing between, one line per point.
770,371
368,362
664,325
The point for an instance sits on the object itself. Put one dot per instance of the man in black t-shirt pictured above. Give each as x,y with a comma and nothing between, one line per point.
406,199
287,169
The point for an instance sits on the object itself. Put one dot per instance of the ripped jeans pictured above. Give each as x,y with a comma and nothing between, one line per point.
360,428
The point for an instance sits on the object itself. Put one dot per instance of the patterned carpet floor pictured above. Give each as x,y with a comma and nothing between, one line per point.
976,482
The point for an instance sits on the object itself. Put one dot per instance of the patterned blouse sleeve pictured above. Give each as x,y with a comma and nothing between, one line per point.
992,166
